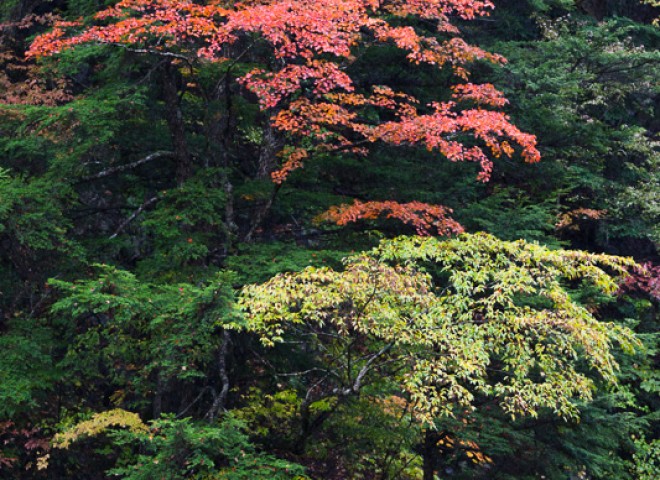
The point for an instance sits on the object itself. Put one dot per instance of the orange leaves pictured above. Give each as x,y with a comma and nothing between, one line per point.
305,86
426,219
161,25
303,28
485,94
294,29
426,49
273,87
571,220
21,82
293,161
304,117
432,130
335,119
439,10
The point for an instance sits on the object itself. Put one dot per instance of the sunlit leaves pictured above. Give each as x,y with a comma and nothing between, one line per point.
179,448
426,219
98,424
494,318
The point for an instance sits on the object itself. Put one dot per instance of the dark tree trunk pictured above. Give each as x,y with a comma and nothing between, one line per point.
158,396
270,145
174,117
429,454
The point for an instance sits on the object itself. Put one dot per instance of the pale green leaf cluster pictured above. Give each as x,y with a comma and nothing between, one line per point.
100,423
452,320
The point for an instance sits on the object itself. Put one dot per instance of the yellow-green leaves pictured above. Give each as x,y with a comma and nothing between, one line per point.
458,318
99,423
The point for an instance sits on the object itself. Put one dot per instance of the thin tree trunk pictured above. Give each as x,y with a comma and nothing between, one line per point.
220,399
219,135
266,165
174,117
158,397
267,152
260,215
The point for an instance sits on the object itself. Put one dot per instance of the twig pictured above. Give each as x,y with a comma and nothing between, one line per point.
150,52
299,374
183,412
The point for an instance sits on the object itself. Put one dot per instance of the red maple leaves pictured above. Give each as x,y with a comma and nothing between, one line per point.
426,219
307,90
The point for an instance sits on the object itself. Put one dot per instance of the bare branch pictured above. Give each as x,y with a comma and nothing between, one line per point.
134,215
301,373
121,168
367,366
183,412
160,53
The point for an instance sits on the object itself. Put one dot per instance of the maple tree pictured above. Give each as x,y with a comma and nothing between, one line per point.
303,83
448,323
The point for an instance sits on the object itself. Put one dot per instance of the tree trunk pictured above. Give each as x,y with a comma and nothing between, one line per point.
265,166
221,398
158,396
174,117
428,454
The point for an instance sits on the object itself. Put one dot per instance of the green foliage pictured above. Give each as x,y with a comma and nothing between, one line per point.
174,449
371,435
460,334
258,263
577,85
27,374
510,215
186,225
647,459
31,216
144,334
271,418
479,330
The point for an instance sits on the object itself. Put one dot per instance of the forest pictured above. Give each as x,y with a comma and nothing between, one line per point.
329,239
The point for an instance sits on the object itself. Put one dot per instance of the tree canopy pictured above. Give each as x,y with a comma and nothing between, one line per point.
332,239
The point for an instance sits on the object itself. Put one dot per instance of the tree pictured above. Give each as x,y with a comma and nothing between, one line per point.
153,338
134,171
447,323
303,85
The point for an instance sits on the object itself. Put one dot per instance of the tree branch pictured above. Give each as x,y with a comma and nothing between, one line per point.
121,168
134,215
367,366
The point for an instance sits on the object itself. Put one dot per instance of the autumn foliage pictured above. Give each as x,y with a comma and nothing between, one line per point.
426,219
21,81
304,86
